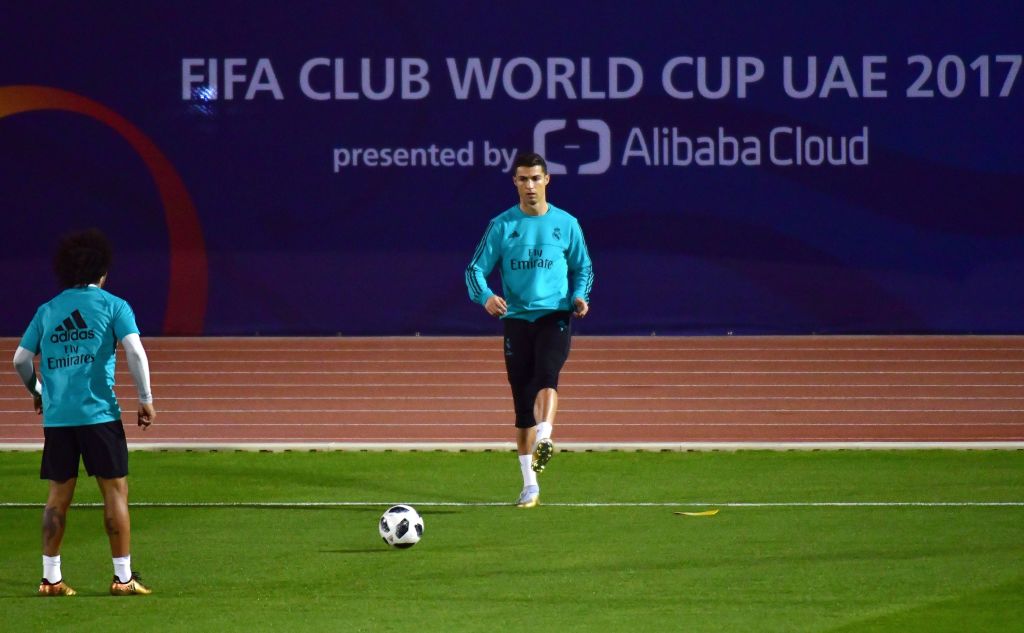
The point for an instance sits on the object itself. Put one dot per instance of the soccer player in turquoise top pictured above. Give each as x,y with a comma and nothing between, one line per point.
546,276
75,335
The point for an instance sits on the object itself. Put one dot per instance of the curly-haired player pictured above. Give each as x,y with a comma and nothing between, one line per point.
75,335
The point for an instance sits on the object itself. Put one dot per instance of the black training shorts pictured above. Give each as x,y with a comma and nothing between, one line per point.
534,355
102,447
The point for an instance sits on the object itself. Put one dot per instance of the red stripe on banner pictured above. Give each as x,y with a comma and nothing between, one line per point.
187,289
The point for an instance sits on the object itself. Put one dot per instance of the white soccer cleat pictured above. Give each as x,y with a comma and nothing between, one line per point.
529,497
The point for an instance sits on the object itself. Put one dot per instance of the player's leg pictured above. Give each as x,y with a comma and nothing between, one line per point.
541,446
551,349
525,439
55,516
116,520
518,350
545,408
60,467
105,453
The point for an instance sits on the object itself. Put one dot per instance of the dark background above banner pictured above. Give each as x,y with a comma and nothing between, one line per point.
324,169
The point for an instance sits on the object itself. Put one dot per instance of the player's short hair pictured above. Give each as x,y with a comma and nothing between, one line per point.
530,159
82,258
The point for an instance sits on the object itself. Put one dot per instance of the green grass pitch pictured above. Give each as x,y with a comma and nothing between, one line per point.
560,567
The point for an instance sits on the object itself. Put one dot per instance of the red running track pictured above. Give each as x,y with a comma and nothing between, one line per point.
614,390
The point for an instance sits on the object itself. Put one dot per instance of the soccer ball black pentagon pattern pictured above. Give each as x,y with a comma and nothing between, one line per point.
401,526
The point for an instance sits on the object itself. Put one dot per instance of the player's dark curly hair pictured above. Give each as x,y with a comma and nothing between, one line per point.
82,258
530,159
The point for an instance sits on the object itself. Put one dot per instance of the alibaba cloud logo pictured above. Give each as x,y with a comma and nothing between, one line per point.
187,288
604,145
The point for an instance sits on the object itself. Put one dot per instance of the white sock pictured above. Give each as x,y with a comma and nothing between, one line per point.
123,568
51,569
529,477
543,430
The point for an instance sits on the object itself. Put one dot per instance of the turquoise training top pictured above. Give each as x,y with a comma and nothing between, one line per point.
76,335
544,263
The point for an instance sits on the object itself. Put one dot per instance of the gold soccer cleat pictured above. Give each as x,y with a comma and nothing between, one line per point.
133,587
47,588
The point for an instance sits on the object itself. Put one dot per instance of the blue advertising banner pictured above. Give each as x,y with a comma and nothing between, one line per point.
325,168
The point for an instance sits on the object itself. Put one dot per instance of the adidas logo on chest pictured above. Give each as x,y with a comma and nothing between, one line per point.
73,328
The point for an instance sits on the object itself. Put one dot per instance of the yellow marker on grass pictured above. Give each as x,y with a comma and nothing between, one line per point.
704,513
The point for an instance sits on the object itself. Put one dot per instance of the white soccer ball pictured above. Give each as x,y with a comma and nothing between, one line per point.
401,526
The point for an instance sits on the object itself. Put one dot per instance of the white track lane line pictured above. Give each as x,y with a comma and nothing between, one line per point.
565,398
595,372
631,425
504,385
477,444
496,347
618,361
574,411
582,411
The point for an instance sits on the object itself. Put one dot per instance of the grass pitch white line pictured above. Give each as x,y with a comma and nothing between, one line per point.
299,505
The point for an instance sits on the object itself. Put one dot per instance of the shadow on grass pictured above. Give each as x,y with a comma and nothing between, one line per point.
28,590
